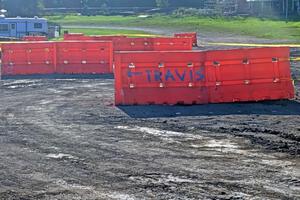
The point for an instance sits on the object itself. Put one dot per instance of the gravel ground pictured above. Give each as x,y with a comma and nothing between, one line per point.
64,139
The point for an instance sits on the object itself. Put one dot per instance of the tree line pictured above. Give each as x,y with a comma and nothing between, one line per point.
37,7
34,7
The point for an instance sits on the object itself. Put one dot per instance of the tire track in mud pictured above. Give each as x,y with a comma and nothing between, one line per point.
270,139
218,146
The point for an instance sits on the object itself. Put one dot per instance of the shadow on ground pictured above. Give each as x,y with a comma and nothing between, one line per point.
283,107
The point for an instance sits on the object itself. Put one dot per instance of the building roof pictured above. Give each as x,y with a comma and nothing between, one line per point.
23,19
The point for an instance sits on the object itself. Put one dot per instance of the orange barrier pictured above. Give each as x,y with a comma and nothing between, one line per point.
192,35
73,36
31,58
27,58
123,43
152,44
84,57
34,38
202,77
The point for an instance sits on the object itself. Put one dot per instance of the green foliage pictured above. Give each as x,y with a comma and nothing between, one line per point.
183,12
101,31
92,20
23,8
188,7
263,28
162,3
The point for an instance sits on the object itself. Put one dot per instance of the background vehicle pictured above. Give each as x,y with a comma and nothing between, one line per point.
19,27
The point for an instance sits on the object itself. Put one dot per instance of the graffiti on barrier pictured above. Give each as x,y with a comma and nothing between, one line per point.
170,75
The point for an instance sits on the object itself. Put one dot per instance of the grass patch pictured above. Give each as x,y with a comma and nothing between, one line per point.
90,20
102,31
263,28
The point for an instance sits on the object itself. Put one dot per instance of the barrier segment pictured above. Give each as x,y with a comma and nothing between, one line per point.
73,36
159,78
250,74
86,57
27,58
76,57
34,38
123,43
192,35
144,78
152,44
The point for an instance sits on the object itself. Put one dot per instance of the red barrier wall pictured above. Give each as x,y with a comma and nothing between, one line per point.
123,43
73,36
192,35
34,38
84,57
152,44
202,77
57,57
27,58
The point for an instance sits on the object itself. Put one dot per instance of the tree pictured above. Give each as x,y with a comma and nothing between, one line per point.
26,8
162,3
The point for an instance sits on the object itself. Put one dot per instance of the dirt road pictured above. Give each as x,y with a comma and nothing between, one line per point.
64,139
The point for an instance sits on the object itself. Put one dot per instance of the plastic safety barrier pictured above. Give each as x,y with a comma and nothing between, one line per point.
192,35
152,44
27,58
123,43
144,78
86,57
34,38
57,57
73,36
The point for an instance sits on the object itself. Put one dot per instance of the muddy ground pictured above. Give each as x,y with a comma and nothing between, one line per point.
64,139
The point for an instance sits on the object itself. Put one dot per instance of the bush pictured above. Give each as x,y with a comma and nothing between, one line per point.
181,12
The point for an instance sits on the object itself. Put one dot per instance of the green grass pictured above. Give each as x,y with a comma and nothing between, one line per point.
90,20
262,28
102,31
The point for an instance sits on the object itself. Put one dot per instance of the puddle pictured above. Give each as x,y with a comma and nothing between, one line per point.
119,196
160,178
112,195
21,84
280,163
54,91
68,88
97,84
199,142
34,108
45,102
224,146
61,156
160,133
221,144
64,184
54,147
